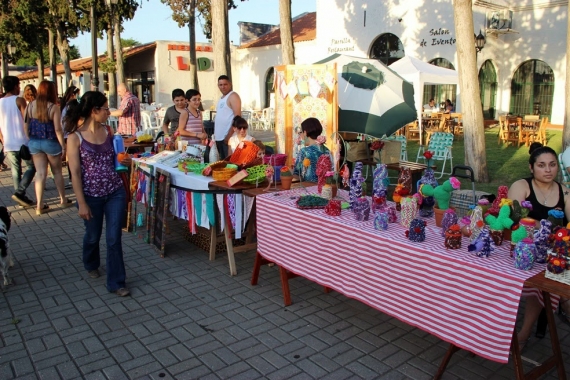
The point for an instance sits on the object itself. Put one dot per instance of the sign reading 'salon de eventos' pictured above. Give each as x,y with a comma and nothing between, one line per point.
439,36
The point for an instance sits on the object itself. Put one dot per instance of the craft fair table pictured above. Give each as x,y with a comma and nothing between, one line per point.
463,299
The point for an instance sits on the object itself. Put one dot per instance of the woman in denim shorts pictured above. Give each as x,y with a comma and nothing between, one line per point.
43,127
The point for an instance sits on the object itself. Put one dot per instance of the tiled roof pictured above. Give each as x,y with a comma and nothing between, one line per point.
304,29
82,64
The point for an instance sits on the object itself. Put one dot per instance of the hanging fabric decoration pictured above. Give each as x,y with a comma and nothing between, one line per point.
314,87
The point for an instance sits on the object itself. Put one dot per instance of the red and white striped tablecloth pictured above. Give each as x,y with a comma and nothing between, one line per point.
469,301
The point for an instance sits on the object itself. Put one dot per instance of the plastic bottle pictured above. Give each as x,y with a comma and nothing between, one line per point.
119,148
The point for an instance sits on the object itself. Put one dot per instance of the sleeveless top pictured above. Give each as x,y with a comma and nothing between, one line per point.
98,167
224,118
540,211
12,124
193,125
41,130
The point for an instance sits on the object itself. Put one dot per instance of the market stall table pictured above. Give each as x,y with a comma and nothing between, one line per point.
468,301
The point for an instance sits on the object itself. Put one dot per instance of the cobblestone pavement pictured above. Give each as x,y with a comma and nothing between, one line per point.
188,319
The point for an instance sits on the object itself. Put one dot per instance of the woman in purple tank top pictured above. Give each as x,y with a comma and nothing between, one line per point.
98,187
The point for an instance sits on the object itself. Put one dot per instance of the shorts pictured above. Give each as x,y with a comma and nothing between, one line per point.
47,146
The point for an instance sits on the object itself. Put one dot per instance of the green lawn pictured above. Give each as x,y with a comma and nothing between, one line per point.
505,164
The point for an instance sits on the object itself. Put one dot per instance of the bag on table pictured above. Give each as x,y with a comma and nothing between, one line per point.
357,151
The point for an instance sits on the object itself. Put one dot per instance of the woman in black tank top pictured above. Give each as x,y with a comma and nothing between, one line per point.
545,194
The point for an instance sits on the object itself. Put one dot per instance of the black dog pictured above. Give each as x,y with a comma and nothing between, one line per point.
6,260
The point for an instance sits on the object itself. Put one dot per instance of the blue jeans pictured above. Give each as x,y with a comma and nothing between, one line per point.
112,209
21,183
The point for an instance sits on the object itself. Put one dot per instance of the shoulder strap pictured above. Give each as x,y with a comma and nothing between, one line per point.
80,137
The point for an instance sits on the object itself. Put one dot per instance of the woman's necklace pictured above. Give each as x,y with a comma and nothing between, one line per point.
192,113
545,197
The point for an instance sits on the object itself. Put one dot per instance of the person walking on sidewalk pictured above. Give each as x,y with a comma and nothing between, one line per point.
98,187
12,108
43,127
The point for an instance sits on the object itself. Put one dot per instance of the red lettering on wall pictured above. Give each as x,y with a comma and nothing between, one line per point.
180,63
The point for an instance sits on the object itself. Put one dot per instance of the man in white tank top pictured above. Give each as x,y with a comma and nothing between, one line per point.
12,108
229,106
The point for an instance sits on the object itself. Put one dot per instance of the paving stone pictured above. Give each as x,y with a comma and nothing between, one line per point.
68,370
21,367
284,373
6,371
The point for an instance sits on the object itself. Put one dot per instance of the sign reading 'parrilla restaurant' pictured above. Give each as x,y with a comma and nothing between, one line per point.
340,45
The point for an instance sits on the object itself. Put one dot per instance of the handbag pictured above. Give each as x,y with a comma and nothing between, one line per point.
25,153
358,151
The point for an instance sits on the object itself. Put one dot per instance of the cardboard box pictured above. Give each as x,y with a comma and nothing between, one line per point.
239,176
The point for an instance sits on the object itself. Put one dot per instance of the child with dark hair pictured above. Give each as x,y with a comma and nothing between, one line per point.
190,127
240,127
172,115
98,187
306,162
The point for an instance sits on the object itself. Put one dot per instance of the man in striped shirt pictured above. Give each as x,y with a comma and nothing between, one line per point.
129,112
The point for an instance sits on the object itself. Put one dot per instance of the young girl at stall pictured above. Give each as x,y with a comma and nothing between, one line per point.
240,133
306,162
190,126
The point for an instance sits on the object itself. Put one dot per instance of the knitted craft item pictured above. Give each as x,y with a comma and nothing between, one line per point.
557,264
541,240
381,220
379,186
426,207
501,193
518,234
497,236
333,208
502,220
404,186
311,201
453,237
465,224
560,241
525,253
324,165
392,216
361,209
417,230
409,211
355,184
477,223
345,175
483,246
214,156
556,217
449,219
441,193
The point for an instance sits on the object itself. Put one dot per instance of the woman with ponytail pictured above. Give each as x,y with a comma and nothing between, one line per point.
98,187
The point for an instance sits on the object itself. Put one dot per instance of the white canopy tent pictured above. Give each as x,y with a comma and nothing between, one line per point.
421,73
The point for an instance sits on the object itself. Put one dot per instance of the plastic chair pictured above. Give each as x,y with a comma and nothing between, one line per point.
267,118
440,145
147,125
246,115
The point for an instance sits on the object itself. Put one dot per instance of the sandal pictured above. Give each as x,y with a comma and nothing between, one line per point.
43,210
68,203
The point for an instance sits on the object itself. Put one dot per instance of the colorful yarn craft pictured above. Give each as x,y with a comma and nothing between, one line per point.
379,187
483,246
333,208
355,184
541,240
323,167
556,264
361,209
409,211
501,193
449,219
392,216
477,223
381,220
453,237
428,178
525,253
417,230
441,193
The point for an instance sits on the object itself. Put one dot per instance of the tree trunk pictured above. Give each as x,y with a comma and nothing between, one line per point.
119,51
473,124
566,132
285,27
220,38
52,60
192,34
3,56
40,64
63,47
111,72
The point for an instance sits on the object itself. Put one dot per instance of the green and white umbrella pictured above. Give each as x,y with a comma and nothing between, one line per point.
372,98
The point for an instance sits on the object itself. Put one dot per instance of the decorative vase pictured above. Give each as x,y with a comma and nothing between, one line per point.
286,182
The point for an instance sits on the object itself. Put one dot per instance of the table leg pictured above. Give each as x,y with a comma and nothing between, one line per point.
213,242
285,286
230,246
554,336
259,261
450,351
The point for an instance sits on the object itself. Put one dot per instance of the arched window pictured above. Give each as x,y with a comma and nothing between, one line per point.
488,86
387,48
532,89
440,92
269,87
